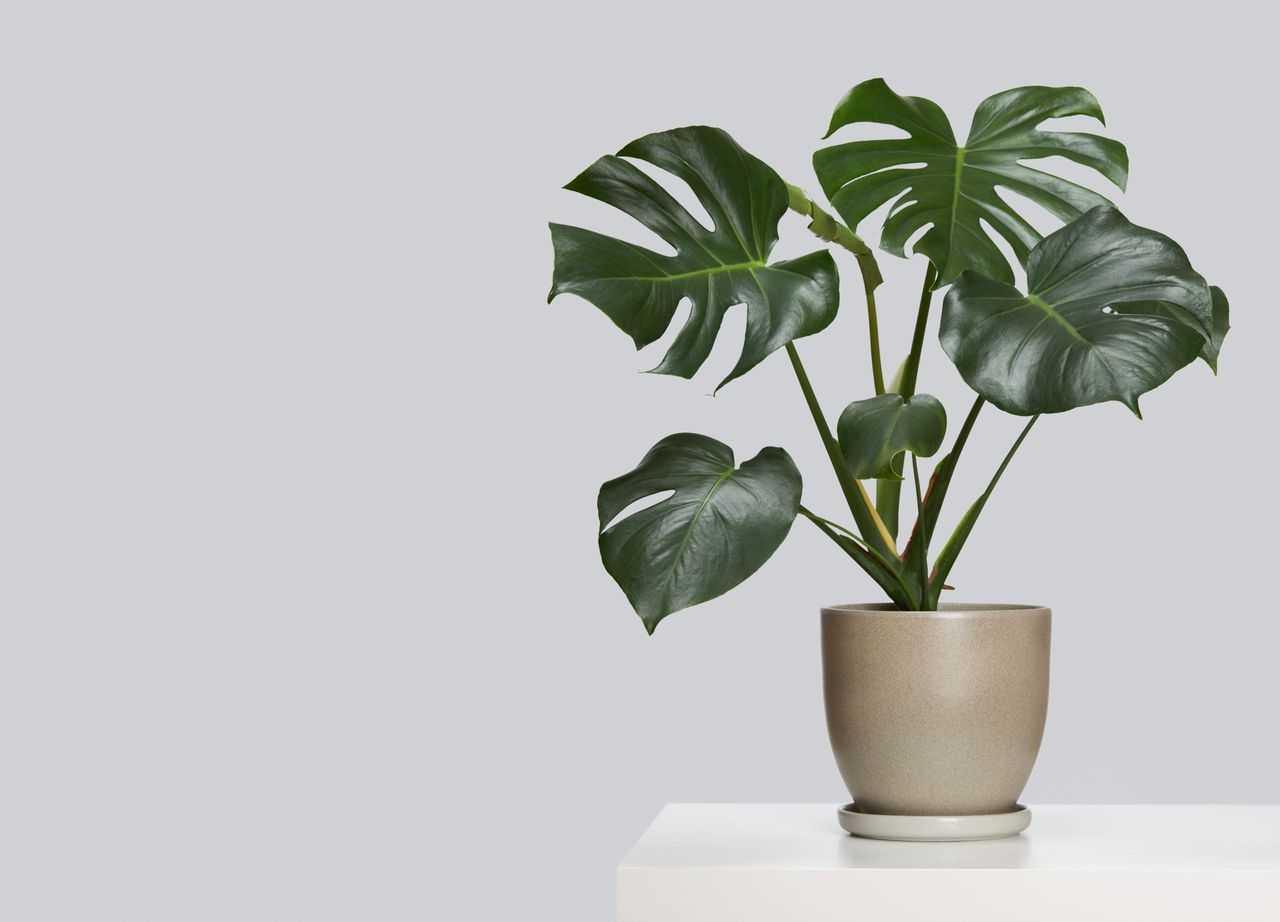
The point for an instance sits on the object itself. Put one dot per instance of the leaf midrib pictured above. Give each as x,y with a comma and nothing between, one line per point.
693,521
955,204
696,273
1052,312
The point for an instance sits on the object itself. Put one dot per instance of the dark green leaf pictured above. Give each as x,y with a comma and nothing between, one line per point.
874,433
1221,321
640,290
957,188
718,527
1080,336
1221,325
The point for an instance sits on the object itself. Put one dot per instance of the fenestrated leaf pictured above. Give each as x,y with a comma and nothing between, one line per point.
874,433
640,290
1080,336
957,188
718,527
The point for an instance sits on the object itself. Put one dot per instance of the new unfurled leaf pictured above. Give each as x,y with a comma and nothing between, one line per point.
954,189
715,269
874,433
721,523
1113,310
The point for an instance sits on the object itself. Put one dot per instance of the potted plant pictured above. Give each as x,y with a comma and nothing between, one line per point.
935,710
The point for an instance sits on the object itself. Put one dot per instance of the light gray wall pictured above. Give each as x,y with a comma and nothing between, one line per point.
302,611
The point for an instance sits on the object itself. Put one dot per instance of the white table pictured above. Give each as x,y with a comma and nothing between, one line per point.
792,863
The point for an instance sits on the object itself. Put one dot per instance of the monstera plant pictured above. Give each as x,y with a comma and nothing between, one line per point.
1111,310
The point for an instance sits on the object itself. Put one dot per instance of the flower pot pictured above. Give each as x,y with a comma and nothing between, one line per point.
936,714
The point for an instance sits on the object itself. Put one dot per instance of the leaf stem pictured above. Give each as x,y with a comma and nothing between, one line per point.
873,334
889,492
967,427
940,481
888,497
814,517
824,225
884,573
951,550
864,511
912,370
924,527
915,555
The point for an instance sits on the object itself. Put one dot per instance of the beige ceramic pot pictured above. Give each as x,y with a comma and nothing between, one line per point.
936,714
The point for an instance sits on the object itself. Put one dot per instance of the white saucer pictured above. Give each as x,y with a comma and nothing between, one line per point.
933,828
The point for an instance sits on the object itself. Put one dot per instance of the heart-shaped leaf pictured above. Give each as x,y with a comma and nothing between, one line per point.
955,190
715,269
874,433
718,527
1087,331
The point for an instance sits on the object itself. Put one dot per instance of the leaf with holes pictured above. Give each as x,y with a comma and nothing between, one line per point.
721,523
956,189
1081,335
875,433
715,269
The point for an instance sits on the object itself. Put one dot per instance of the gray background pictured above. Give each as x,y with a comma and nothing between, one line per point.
302,614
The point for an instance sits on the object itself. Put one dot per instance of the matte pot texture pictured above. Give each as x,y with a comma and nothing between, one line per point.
936,713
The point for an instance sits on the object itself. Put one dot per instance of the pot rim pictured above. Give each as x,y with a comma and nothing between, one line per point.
946,611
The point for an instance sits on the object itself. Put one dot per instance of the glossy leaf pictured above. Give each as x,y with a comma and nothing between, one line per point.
951,189
1221,326
721,523
875,433
715,269
1080,336
1218,332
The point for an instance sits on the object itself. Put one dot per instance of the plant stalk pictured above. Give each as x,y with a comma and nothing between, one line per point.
915,555
889,492
824,225
912,370
924,558
940,481
864,511
951,550
967,427
873,334
884,573
836,526
888,500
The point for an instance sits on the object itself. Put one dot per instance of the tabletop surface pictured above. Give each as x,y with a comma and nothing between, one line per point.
806,836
